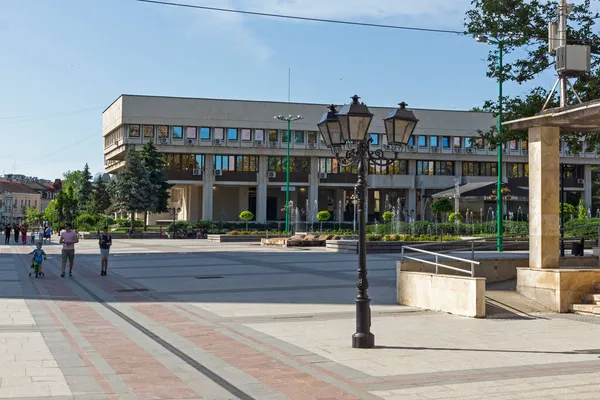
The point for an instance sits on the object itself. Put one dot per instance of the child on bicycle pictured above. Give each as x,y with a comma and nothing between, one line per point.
37,259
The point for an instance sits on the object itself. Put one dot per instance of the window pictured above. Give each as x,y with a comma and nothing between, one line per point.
199,161
246,134
204,133
331,166
375,138
524,144
445,168
236,163
457,142
163,131
312,137
513,144
134,131
188,162
398,167
411,141
219,134
434,141
468,142
422,141
480,169
272,135
299,137
259,134
178,132
445,142
148,131
284,137
480,143
232,134
297,164
191,132
517,170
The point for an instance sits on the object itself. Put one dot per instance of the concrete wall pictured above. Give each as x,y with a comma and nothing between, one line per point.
556,289
226,203
457,295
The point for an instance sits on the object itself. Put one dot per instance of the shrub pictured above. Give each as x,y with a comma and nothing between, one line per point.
441,206
323,216
387,216
126,223
246,216
86,221
455,217
568,210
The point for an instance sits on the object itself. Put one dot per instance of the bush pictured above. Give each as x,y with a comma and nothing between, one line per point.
455,217
86,222
568,209
126,223
246,216
180,228
388,216
441,206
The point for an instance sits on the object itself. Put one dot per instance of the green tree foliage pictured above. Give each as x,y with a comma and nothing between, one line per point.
154,164
246,216
33,216
455,217
568,210
134,186
323,216
581,210
100,197
387,216
441,206
527,57
51,213
83,193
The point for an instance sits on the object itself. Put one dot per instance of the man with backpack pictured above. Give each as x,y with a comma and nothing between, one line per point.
105,241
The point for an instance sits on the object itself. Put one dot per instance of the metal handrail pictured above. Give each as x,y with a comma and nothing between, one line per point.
437,264
472,242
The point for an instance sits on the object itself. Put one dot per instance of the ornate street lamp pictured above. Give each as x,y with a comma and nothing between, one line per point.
347,130
174,211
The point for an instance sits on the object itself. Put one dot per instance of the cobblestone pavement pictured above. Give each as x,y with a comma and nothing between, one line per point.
189,320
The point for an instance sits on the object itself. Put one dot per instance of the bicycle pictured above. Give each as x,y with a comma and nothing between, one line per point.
36,269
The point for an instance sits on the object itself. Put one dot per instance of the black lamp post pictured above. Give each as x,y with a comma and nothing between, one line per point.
174,211
347,130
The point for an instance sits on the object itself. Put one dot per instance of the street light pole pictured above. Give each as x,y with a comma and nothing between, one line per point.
347,127
499,146
289,120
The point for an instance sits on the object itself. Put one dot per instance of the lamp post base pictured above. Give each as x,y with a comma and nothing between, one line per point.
363,340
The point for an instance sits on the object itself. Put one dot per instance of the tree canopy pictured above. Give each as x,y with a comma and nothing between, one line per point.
522,26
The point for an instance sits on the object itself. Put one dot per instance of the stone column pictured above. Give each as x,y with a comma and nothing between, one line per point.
544,197
261,191
207,189
587,175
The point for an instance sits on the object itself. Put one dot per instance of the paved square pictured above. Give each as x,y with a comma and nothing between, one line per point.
186,319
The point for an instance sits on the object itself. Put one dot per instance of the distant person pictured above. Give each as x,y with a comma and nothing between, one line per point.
68,239
32,236
7,231
48,234
24,235
105,241
17,231
41,233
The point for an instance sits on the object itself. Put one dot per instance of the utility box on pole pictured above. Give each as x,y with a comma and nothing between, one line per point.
573,60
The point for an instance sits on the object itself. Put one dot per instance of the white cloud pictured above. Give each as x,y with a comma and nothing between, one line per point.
451,11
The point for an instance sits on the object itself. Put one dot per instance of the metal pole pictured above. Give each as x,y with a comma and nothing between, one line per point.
499,210
173,223
562,210
287,179
562,36
362,338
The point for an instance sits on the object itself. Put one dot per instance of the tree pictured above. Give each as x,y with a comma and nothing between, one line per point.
83,194
581,210
100,197
51,213
529,57
154,164
567,209
134,187
323,216
246,216
442,206
455,217
33,216
72,179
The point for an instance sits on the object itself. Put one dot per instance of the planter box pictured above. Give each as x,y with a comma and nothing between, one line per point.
121,235
237,238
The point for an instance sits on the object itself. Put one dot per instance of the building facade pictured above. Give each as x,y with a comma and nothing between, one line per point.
227,156
15,199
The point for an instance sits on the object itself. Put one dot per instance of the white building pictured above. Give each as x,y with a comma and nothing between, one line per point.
227,156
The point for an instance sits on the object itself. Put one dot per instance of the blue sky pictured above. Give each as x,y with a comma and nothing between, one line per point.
64,61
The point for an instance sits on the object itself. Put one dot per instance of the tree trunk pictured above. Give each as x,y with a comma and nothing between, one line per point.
145,221
132,221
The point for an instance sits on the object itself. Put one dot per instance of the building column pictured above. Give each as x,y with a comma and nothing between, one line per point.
587,175
412,203
261,191
458,169
243,198
543,197
195,193
207,189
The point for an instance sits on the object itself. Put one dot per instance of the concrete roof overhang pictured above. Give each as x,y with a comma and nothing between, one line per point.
576,118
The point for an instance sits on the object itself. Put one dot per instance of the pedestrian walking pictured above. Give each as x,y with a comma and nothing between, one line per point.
41,233
105,241
24,235
32,236
7,231
17,231
68,239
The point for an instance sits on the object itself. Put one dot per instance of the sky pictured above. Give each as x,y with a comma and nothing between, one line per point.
64,61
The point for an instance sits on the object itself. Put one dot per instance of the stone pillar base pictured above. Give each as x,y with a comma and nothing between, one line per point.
556,289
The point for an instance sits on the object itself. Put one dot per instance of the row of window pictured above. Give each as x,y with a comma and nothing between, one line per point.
207,133
435,168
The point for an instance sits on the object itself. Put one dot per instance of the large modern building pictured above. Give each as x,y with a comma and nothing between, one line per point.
227,156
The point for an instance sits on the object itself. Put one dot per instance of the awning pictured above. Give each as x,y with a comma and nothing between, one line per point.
481,190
